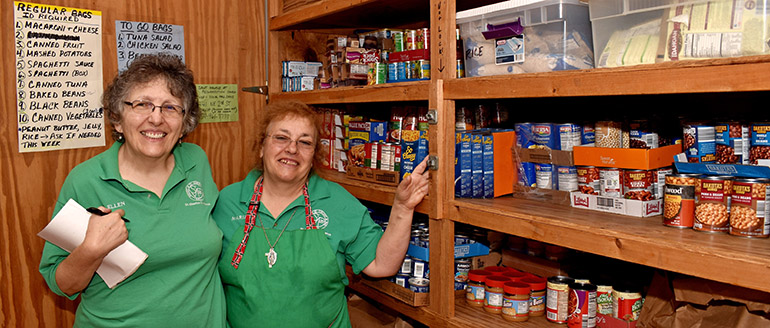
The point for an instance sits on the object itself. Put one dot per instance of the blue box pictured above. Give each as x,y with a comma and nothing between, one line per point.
464,161
488,166
414,148
477,165
461,251
368,131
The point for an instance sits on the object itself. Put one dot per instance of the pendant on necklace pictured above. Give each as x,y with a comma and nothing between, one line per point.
271,257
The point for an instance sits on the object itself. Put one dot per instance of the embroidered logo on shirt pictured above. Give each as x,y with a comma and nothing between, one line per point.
321,219
194,190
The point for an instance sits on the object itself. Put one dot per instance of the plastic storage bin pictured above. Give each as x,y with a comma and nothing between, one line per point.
556,36
631,32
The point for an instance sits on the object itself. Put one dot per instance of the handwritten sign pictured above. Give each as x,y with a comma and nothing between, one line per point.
58,77
218,102
138,38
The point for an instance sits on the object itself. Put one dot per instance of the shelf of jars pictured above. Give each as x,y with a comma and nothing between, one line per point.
734,260
701,76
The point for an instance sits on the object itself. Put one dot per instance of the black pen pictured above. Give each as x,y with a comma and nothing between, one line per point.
94,210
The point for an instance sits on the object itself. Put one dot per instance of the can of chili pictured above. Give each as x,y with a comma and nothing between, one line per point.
679,200
557,298
712,204
637,184
749,207
581,305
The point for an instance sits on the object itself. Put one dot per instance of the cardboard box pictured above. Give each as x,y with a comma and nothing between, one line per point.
630,207
549,196
626,158
409,55
389,178
400,293
607,321
461,251
545,156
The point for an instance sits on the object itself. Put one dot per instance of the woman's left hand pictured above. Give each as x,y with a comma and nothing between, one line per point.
414,187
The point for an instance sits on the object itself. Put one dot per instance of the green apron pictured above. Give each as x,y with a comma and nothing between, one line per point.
302,289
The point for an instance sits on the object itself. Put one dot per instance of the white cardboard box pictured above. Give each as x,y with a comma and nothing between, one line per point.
621,206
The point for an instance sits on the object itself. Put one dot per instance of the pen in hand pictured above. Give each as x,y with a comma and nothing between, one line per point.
94,210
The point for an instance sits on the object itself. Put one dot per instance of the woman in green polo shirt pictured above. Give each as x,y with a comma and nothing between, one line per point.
280,272
165,187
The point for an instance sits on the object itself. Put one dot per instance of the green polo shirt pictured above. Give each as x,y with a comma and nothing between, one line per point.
350,230
178,285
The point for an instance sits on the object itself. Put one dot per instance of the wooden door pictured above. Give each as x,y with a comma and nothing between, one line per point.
224,44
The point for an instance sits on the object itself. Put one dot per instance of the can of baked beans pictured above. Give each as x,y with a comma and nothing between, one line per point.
588,179
581,305
557,298
760,142
626,303
732,142
609,134
637,184
659,181
679,200
611,182
712,204
699,143
749,207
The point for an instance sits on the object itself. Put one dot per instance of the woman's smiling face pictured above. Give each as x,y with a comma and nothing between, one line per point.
153,135
288,149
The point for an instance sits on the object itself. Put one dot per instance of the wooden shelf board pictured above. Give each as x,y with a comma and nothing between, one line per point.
372,192
734,260
468,316
718,75
362,13
403,91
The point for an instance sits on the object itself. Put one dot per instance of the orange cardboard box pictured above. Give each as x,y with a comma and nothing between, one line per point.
626,158
505,173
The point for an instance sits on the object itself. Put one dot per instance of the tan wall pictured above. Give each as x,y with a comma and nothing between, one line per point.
223,46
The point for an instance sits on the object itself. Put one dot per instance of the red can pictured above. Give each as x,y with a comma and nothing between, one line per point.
397,157
748,212
627,304
612,182
588,180
581,306
637,184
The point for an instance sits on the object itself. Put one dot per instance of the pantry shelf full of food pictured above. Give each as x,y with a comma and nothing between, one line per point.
737,261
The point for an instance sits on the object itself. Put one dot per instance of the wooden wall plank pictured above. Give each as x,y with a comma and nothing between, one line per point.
223,46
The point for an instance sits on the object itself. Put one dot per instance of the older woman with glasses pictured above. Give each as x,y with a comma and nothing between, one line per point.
165,187
280,272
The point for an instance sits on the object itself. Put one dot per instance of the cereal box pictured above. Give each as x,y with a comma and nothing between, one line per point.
477,165
414,148
462,164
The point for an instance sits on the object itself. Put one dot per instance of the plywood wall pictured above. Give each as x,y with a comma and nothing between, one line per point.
224,45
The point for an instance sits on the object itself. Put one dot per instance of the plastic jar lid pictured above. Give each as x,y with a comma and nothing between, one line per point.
515,275
496,281
496,269
535,283
478,275
516,288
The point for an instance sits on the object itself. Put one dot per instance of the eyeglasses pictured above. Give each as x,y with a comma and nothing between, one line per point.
146,107
282,141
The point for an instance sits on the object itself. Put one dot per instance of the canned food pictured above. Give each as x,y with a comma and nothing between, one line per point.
567,178
679,200
659,181
568,135
524,137
397,158
641,136
424,69
611,179
637,184
627,304
544,136
557,298
545,175
419,285
581,306
386,156
462,267
732,143
460,69
398,40
604,299
588,134
609,134
406,266
419,268
411,39
699,143
402,280
424,38
527,175
749,206
712,204
760,142
588,179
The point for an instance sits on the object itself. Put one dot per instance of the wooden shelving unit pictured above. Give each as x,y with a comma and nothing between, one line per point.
737,261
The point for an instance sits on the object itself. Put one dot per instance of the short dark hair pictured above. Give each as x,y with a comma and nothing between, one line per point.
147,68
277,111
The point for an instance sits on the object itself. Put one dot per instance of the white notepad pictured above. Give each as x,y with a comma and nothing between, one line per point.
68,230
